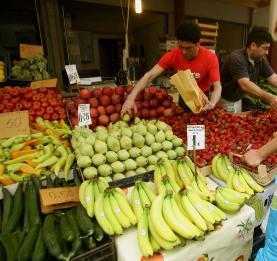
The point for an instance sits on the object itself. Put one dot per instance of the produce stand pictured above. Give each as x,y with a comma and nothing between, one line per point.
231,241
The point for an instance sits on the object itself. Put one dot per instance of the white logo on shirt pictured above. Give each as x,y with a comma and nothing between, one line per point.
196,75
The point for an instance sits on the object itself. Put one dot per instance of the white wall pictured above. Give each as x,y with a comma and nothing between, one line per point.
261,17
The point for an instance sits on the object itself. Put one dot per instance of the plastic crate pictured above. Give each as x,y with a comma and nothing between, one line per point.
104,252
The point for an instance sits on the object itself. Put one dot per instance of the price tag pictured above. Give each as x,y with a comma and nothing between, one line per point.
72,73
49,83
58,198
195,136
14,123
30,50
84,114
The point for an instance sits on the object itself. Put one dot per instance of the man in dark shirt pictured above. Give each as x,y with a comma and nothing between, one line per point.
243,68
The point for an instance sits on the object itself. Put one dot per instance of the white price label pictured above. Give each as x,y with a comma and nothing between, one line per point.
84,114
196,137
72,73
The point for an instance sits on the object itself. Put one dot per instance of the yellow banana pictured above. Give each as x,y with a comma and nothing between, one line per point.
111,216
226,205
193,213
210,226
89,196
100,215
221,168
173,184
82,191
189,163
229,182
145,202
245,185
215,211
165,244
214,166
161,187
157,175
169,169
189,171
136,203
177,198
143,235
155,246
158,221
173,222
122,219
183,174
95,189
203,188
163,170
102,184
251,182
228,164
174,165
195,187
232,195
236,183
124,205
196,201
149,192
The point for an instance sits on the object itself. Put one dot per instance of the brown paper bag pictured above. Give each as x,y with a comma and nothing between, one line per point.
187,87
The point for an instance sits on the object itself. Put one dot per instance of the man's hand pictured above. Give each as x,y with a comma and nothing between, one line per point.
253,158
128,106
208,105
273,102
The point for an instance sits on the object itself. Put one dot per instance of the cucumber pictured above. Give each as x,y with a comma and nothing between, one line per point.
90,242
76,244
39,252
50,239
11,245
2,253
17,210
25,251
59,213
26,221
66,231
98,232
49,182
7,208
84,222
34,204
36,182
60,239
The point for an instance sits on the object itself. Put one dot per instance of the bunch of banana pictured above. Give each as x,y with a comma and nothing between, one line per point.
222,168
141,196
113,212
89,191
230,200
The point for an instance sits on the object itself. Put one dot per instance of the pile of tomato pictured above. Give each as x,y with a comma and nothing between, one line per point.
228,132
42,102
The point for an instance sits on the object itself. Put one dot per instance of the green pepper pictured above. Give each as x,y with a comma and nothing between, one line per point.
37,135
23,158
68,164
9,142
19,178
17,147
46,155
49,162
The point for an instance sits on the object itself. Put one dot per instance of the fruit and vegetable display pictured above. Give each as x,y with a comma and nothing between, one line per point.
26,234
42,102
121,150
33,69
226,132
43,152
106,103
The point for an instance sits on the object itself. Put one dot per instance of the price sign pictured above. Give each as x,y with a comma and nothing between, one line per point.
30,50
58,198
14,123
72,73
84,114
49,83
195,137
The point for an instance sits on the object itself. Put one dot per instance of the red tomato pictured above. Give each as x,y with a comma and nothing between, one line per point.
7,96
55,116
49,110
42,90
10,105
19,106
53,102
32,112
46,117
62,115
36,97
40,112
2,107
31,118
6,110
36,105
44,104
15,100
27,105
40,95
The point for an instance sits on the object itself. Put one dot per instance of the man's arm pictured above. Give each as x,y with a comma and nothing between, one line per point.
147,78
255,157
215,96
250,87
273,79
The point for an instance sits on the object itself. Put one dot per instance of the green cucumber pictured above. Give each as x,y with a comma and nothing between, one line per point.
76,244
17,210
61,241
66,230
50,238
90,242
7,207
36,182
26,218
11,244
2,253
25,251
34,204
84,222
98,231
39,250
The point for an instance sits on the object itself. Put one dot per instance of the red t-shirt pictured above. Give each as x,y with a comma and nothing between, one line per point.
204,67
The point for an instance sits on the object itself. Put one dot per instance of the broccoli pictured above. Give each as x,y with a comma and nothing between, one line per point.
45,75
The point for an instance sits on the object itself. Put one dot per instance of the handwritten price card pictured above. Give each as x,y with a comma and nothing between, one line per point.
14,123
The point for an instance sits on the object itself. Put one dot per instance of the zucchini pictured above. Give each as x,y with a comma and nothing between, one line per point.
25,251
59,213
61,241
76,244
26,221
17,210
34,204
66,231
49,182
90,242
84,222
98,231
36,182
39,250
11,245
2,253
7,207
50,238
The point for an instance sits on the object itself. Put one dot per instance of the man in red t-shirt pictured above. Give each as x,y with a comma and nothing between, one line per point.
188,55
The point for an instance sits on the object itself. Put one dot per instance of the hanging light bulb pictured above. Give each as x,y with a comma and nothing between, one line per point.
138,6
